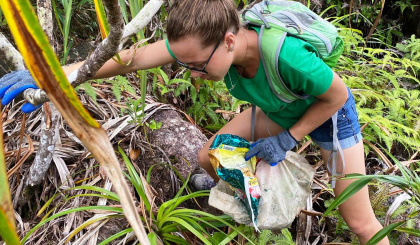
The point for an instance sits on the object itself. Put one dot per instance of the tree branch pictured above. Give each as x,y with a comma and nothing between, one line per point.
108,48
11,58
48,138
141,20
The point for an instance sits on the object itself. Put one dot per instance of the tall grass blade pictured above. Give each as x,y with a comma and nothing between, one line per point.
65,212
152,238
89,222
229,237
136,180
7,218
116,236
101,16
390,179
383,233
190,228
68,10
124,10
410,231
175,239
347,193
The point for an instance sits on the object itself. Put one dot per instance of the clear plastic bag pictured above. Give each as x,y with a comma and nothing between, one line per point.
227,155
285,189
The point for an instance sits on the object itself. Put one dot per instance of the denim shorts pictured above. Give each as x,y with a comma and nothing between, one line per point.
348,127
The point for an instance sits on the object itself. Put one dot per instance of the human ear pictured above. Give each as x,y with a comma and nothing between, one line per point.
229,41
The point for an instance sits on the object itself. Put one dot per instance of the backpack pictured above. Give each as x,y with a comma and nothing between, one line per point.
276,19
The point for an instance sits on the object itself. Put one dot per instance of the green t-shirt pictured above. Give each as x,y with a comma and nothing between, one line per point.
302,71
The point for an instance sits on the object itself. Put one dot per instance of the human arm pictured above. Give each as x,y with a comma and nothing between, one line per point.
273,149
146,57
327,104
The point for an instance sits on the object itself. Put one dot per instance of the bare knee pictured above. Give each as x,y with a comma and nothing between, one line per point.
364,228
203,157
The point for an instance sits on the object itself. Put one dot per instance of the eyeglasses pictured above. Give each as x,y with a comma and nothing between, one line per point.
202,70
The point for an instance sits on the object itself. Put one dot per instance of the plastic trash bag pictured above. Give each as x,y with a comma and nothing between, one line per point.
227,155
285,189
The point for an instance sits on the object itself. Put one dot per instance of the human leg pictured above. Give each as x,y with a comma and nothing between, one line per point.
240,126
357,210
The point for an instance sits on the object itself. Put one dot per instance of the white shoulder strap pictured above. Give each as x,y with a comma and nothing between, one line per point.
333,155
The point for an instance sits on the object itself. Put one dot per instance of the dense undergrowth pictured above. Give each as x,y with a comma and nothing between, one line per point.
382,73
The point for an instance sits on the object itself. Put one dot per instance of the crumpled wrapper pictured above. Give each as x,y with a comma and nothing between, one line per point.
227,156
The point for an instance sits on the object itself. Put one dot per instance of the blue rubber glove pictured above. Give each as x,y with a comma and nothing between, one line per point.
272,149
13,84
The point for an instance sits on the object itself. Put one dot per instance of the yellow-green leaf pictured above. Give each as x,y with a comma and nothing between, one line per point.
45,68
102,21
7,228
39,57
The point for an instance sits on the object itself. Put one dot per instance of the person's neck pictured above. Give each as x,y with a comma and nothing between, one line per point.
248,56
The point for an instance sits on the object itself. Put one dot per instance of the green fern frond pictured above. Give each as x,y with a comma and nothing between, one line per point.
120,84
90,91
237,103
210,112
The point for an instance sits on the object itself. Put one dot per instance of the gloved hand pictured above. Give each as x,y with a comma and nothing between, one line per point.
272,149
13,84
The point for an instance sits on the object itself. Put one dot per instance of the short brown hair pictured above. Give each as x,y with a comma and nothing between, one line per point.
208,19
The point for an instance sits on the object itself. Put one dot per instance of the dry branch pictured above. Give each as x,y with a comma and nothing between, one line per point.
141,20
104,52
49,122
109,46
44,155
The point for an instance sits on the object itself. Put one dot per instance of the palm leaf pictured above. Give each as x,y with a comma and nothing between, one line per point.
45,68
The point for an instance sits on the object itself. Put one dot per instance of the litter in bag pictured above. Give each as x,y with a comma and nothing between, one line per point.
227,155
284,189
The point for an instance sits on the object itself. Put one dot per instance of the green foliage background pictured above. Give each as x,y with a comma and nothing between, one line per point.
383,74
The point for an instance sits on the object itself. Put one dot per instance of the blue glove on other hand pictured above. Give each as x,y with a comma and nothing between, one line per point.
272,149
13,84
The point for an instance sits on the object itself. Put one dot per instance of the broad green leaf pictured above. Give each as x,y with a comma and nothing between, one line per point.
382,233
152,238
347,193
102,21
